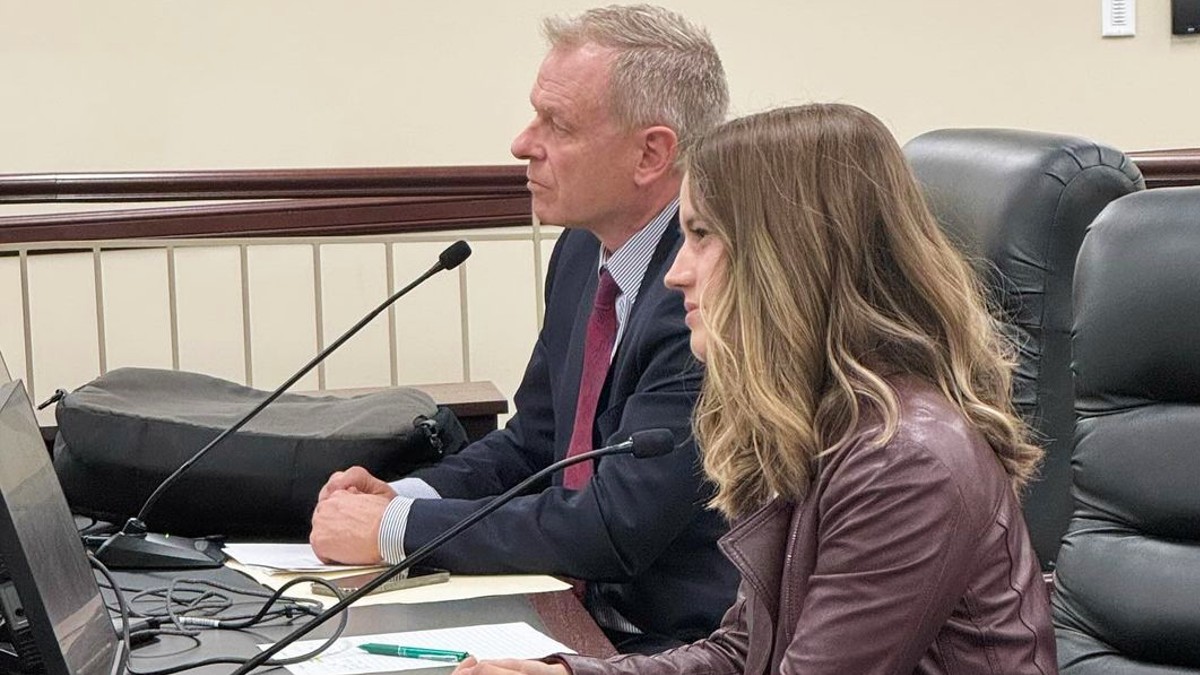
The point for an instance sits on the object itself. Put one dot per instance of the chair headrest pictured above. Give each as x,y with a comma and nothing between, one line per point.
1001,193
1137,302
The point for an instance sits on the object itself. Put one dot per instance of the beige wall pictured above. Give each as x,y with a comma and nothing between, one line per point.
136,84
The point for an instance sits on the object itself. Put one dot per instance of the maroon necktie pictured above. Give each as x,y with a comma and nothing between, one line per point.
597,354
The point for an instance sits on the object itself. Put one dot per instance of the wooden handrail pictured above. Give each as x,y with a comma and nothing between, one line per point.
303,202
1169,168
500,180
292,217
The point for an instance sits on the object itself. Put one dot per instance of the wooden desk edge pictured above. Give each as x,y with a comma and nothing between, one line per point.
569,623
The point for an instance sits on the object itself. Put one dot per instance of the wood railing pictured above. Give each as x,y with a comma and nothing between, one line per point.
453,181
303,202
1169,168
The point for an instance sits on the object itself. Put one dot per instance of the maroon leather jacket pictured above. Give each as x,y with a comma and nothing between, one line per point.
911,557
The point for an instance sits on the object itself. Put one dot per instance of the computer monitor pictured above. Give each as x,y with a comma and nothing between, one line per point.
54,618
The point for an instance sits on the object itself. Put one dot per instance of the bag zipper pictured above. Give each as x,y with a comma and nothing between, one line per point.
59,394
432,432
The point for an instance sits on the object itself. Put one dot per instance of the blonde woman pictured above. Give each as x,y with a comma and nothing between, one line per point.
855,417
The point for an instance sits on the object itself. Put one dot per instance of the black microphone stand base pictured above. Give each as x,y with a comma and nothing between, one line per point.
158,551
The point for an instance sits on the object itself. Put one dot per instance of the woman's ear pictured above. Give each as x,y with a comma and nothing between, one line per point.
658,152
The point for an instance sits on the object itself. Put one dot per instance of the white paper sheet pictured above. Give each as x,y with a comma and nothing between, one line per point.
284,558
488,641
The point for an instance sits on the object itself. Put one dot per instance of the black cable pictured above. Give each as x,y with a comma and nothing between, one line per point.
205,602
301,605
127,649
272,662
289,609
208,603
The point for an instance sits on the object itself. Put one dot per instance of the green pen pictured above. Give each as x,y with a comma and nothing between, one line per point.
413,652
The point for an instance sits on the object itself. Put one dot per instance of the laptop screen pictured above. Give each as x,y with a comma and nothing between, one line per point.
52,606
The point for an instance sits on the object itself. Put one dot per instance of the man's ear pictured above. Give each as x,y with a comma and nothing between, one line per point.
659,150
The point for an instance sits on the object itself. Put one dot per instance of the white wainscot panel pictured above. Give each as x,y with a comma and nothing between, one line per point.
283,324
137,310
208,291
354,282
503,316
65,338
428,325
12,318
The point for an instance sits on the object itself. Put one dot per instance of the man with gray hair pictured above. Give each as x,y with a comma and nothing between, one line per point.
620,92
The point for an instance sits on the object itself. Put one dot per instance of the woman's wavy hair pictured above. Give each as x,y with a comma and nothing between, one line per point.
836,277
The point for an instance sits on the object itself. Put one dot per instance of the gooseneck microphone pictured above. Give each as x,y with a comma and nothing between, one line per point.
135,548
642,444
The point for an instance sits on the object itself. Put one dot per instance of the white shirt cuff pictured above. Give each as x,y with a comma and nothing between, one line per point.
391,529
414,488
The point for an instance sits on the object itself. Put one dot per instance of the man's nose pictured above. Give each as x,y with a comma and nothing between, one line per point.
523,146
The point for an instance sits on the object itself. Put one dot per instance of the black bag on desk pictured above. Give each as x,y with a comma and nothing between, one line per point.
120,435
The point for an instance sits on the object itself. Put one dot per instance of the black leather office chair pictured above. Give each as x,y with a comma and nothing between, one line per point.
1018,203
1127,594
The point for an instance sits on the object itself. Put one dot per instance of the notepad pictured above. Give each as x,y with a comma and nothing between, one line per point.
487,641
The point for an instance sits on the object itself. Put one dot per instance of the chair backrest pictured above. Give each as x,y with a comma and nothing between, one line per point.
1127,587
1017,203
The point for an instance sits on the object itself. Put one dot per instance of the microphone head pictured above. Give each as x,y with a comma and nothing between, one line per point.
454,255
652,442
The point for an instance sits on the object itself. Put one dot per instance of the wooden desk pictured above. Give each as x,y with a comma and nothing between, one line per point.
568,622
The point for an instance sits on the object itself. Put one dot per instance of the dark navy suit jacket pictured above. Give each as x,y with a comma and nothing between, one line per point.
639,530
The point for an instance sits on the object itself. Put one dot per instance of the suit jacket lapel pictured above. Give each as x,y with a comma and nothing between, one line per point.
664,255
